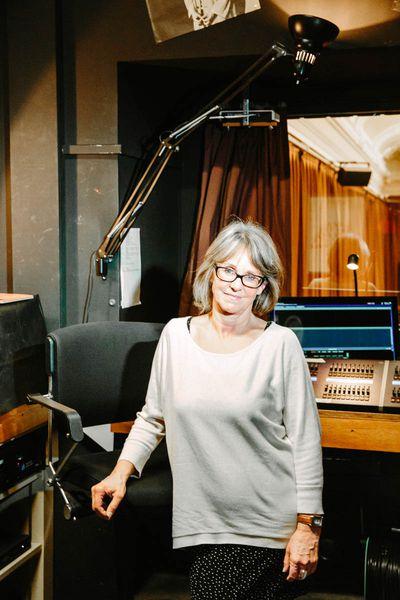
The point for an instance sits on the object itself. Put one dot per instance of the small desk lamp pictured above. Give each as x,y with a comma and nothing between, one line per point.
310,35
352,264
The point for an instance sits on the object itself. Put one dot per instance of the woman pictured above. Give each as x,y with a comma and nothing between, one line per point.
233,396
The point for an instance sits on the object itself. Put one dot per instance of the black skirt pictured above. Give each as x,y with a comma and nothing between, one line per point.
241,572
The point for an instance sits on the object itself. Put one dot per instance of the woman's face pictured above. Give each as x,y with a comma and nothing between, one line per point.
235,298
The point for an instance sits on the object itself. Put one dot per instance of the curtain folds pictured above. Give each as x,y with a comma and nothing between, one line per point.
315,222
330,222
392,265
245,173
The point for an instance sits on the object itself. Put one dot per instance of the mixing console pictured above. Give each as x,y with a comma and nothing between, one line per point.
356,383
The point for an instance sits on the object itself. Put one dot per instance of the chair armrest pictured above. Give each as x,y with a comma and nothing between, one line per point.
73,418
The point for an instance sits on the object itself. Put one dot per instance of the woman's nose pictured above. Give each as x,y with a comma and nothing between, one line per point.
236,284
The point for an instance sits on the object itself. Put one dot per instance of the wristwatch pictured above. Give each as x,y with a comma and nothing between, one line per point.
310,520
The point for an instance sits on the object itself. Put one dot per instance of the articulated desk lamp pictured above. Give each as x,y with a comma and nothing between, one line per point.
310,34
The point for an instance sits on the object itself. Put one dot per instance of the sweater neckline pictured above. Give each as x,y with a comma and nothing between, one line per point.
251,345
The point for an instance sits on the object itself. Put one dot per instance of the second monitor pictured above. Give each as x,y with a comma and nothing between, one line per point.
342,327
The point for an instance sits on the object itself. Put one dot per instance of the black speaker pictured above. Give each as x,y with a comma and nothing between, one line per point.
355,177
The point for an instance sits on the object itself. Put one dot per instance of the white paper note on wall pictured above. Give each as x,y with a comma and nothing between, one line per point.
130,269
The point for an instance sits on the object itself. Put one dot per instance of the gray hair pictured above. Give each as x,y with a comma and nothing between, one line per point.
262,251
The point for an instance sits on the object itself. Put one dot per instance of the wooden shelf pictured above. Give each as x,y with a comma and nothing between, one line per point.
7,298
37,518
20,560
20,420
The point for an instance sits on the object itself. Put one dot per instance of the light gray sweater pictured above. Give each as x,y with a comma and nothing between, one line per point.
243,437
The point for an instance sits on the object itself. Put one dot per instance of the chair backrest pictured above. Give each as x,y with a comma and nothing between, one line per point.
102,369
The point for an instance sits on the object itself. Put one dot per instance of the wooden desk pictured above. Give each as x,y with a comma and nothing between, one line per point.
124,427
360,430
345,429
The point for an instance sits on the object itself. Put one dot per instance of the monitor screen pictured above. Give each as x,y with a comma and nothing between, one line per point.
342,327
22,352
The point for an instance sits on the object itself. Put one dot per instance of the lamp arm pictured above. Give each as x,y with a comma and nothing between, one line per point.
131,209
134,204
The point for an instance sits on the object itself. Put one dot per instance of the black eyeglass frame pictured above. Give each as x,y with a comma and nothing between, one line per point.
252,287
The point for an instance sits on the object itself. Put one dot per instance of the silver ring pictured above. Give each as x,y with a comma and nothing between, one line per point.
302,574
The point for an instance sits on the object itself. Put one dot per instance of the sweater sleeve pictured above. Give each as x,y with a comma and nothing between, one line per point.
303,428
149,428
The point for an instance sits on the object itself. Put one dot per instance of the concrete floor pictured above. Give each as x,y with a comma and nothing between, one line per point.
164,586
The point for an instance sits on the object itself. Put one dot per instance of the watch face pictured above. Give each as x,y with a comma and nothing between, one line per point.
317,521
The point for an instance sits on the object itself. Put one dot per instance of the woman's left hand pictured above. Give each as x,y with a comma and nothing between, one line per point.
301,552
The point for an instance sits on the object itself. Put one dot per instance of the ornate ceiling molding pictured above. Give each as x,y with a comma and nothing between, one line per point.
373,139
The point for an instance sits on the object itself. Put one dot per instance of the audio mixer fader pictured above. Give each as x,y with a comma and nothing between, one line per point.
356,383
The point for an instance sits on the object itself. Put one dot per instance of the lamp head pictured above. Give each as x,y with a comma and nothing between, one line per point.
310,34
352,262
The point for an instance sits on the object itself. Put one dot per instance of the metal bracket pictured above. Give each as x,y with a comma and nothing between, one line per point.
92,149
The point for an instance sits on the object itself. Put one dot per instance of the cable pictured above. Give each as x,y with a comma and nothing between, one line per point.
89,289
382,569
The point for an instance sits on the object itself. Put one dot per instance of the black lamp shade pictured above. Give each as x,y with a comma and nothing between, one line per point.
352,262
310,35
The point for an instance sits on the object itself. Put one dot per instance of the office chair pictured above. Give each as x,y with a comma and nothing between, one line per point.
98,374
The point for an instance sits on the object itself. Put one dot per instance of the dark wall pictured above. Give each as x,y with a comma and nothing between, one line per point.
166,223
342,82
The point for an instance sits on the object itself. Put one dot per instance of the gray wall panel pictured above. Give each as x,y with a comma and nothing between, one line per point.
92,37
3,149
33,153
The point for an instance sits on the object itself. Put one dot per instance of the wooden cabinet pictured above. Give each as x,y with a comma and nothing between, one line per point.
27,508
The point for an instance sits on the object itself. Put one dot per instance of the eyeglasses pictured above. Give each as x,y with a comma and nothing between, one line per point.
229,275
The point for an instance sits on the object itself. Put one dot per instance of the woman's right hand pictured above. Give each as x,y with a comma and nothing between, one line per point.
107,495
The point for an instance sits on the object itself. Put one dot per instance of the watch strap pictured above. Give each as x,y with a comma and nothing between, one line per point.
310,520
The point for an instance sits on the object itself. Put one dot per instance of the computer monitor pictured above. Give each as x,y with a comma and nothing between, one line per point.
22,352
342,327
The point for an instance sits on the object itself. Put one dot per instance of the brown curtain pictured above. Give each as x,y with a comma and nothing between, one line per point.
330,222
392,230
245,173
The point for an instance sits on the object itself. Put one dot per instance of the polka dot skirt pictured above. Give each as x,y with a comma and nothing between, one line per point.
238,572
